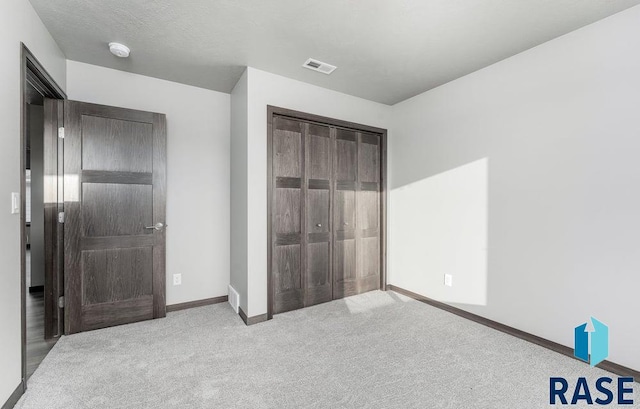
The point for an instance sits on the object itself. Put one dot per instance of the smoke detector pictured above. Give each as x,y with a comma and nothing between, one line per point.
319,66
119,50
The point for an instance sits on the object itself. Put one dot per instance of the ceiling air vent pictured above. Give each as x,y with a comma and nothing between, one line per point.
319,66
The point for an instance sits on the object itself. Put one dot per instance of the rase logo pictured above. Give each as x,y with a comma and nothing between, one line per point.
591,347
598,339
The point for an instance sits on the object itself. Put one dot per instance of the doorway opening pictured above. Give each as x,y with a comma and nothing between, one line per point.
39,237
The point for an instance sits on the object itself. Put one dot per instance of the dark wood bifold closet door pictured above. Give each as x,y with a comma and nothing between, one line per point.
287,229
114,173
319,224
356,214
368,214
326,232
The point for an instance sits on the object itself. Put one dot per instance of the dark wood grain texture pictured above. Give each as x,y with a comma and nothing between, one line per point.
554,346
317,251
116,274
115,264
51,235
341,162
73,218
288,219
160,214
95,316
104,148
110,209
135,178
197,303
37,345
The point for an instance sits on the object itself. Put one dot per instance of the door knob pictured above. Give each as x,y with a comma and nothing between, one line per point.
157,226
319,225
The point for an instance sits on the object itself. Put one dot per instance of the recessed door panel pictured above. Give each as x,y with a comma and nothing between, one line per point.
287,211
345,260
105,147
369,160
319,152
344,210
318,213
287,268
346,160
117,274
287,149
318,265
287,278
111,209
319,286
368,210
369,262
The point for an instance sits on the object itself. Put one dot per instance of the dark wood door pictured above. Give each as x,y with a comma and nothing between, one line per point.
368,213
318,170
346,177
325,212
357,213
114,195
53,206
288,229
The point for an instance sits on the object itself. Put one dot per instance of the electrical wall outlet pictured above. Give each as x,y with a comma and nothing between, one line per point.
448,280
177,279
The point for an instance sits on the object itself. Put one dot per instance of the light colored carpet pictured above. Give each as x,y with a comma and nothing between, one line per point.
375,350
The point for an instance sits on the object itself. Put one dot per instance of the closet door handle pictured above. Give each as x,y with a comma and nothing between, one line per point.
319,225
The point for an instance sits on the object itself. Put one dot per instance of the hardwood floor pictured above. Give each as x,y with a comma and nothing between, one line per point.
37,346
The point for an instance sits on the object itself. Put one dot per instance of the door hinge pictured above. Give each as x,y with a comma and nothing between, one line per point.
61,217
61,132
61,302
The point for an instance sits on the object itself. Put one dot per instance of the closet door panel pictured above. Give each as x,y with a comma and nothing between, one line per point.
287,148
368,215
319,155
318,273
345,213
286,219
345,210
318,203
345,261
287,216
346,157
369,161
325,213
319,197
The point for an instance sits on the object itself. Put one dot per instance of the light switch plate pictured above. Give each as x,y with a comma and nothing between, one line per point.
15,203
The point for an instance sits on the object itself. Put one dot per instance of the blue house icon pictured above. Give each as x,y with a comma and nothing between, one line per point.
599,340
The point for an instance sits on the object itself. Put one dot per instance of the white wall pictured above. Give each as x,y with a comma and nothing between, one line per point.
18,23
198,171
558,128
269,89
239,180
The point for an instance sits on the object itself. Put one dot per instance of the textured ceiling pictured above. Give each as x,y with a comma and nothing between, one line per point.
385,50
